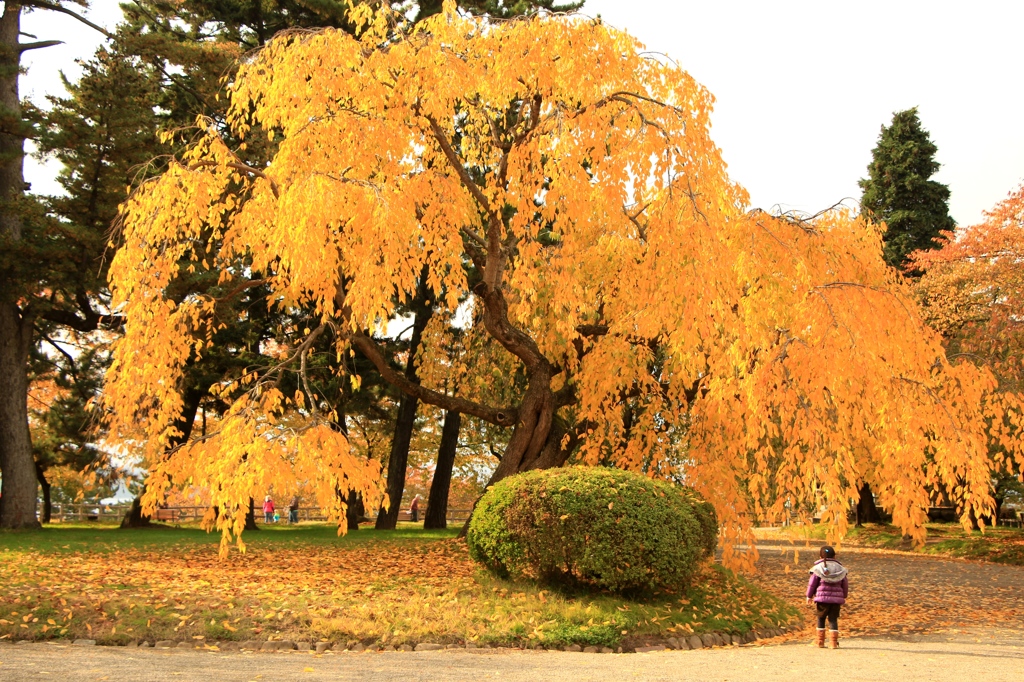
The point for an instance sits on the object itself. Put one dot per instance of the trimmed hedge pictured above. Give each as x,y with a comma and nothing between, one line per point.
595,527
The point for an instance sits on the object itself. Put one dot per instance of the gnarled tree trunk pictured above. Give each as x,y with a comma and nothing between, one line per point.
867,511
437,504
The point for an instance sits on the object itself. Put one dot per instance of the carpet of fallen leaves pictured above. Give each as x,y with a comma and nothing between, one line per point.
898,593
372,592
1000,545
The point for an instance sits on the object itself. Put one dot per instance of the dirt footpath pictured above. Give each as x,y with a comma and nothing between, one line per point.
992,655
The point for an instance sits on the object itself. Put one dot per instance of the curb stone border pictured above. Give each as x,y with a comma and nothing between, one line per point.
684,643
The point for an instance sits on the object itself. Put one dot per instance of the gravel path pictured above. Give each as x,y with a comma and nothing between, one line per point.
909,616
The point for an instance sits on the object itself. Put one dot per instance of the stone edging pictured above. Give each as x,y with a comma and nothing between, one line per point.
704,641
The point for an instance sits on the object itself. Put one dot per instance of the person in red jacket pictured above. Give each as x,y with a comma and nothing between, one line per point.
268,509
827,588
414,509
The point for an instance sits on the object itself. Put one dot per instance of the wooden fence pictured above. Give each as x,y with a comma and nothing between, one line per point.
61,513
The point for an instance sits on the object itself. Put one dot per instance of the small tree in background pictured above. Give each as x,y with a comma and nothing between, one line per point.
899,191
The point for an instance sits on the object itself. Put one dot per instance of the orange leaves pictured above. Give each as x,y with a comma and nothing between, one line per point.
176,590
973,292
251,454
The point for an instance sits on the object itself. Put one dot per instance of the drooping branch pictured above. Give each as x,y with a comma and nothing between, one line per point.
245,168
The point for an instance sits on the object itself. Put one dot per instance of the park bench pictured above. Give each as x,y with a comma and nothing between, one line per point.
170,514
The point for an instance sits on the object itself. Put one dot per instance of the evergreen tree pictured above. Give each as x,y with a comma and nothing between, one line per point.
899,191
34,260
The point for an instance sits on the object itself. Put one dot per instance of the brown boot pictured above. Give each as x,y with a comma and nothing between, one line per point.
821,638
835,639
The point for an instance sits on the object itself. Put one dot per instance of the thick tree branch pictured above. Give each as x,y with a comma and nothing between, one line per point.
591,329
369,348
242,286
453,159
515,340
82,324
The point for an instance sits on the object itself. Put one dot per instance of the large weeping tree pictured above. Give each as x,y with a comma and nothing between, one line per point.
551,173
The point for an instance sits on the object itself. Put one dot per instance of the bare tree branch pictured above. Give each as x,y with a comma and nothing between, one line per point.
25,47
54,7
453,159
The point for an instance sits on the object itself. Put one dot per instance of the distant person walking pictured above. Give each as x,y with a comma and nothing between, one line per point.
293,510
828,588
268,510
414,509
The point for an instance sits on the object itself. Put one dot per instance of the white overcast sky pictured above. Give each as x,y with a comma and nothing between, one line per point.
802,87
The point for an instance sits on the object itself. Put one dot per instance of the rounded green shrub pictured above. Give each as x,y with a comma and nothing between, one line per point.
595,527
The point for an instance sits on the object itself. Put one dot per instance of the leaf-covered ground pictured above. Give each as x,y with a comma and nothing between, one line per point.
305,583
997,545
897,593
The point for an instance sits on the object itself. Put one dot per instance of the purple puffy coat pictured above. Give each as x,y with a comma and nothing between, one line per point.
828,583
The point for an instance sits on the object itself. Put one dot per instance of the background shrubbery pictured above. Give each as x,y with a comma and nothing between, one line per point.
595,527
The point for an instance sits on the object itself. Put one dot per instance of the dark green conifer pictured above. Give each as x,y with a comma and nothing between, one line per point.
899,189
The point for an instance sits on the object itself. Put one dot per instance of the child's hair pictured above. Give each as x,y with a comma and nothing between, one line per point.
827,552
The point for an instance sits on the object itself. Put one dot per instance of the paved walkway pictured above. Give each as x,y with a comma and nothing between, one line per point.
990,655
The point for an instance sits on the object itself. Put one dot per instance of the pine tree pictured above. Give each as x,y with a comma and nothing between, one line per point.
899,191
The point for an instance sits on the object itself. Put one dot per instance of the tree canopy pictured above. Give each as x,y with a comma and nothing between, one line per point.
563,182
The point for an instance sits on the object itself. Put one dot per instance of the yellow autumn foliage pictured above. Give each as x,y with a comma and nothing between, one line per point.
770,362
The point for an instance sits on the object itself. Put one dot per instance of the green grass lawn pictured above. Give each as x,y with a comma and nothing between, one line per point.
306,583
96,537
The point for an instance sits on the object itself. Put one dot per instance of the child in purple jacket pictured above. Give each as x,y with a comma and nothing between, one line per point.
828,588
